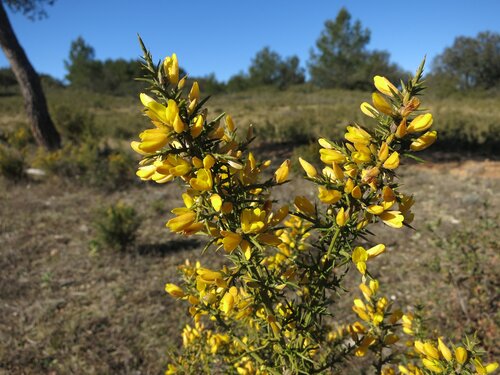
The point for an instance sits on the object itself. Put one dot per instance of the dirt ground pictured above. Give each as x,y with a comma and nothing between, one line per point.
66,308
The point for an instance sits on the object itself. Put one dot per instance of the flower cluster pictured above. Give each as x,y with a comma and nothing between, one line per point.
268,309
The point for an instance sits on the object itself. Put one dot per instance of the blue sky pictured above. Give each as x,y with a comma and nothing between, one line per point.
222,36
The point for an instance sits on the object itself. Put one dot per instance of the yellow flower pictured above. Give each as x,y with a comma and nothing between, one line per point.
424,141
483,370
203,180
208,161
368,110
178,125
393,219
281,173
362,154
152,140
401,130
329,196
381,103
430,350
146,172
384,86
171,68
304,205
329,156
228,300
341,218
197,126
356,134
356,193
216,202
194,94
308,168
433,365
229,123
154,110
375,251
420,123
171,370
461,355
181,221
392,161
230,241
253,220
174,290
383,152
359,257
445,351
407,324
208,276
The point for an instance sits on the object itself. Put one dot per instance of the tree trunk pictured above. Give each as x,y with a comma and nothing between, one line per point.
42,126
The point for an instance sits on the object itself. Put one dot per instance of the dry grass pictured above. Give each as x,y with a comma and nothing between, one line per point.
68,309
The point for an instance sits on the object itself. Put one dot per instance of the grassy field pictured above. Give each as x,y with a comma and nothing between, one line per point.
68,306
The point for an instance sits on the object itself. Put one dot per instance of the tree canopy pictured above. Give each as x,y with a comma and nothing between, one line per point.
109,76
30,8
471,63
341,58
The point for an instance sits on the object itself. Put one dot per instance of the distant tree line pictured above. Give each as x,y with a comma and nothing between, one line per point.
340,59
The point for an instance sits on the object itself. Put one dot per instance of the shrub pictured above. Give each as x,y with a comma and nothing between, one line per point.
90,163
117,226
76,125
271,308
12,163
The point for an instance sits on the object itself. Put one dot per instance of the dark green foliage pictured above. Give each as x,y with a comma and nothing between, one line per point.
90,164
341,58
77,126
238,82
269,68
110,76
30,8
117,226
12,164
470,63
7,79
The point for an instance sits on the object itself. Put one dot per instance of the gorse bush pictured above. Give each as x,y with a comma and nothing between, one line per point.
271,308
117,226
93,164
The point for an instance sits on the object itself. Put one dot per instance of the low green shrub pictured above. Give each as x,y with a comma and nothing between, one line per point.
12,163
116,226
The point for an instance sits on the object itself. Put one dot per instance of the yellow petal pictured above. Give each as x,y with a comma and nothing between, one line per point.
368,110
341,218
195,92
174,290
308,168
445,351
329,196
384,86
461,355
281,173
303,204
328,156
216,202
359,254
230,241
392,161
393,219
424,141
229,123
375,251
381,103
420,123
